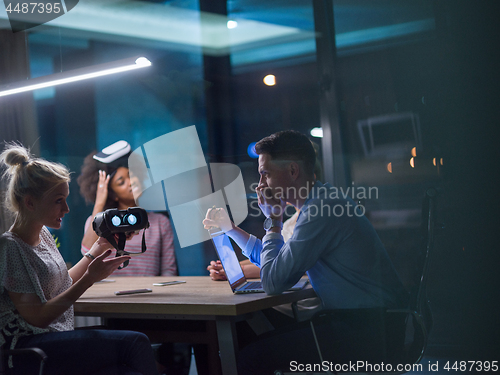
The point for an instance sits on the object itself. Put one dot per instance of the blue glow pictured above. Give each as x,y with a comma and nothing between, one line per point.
251,150
131,219
116,221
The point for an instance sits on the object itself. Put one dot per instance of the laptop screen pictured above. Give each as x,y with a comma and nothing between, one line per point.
228,258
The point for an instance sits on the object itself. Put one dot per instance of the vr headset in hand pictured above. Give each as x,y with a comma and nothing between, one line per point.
114,222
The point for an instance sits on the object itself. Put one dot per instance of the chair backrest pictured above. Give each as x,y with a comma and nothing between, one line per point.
418,295
419,312
419,307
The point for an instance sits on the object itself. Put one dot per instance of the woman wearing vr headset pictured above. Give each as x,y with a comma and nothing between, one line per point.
37,291
105,182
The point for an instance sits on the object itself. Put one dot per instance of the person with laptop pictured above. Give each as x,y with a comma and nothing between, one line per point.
333,242
304,310
250,270
234,272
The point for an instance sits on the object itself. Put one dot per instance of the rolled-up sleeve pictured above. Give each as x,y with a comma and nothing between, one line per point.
274,280
252,250
262,253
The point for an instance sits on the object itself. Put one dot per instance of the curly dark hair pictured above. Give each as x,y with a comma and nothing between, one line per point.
89,176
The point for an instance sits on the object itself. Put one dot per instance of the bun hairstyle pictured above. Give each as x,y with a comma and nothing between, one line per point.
27,175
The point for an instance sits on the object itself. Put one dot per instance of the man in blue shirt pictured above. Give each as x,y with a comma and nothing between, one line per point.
333,242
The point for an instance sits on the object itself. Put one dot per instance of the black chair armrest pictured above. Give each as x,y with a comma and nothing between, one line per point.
37,352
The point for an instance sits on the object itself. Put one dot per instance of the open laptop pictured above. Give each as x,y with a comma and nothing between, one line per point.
234,273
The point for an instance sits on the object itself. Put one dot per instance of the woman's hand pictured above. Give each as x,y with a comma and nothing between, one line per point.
100,202
100,267
102,190
100,246
216,271
129,235
41,314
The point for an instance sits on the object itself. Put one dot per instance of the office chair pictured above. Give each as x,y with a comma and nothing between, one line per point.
32,352
411,340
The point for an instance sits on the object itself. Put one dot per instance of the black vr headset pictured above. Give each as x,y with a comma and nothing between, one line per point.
113,222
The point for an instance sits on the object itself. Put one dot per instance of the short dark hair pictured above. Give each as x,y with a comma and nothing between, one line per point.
289,145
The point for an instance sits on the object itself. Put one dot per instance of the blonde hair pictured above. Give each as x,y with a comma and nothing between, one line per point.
27,175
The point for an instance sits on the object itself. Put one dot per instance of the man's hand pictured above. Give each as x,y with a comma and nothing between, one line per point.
217,217
270,204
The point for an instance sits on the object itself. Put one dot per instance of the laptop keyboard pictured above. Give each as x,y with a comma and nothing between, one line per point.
253,285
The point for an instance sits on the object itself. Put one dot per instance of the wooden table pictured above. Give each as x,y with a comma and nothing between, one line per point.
198,300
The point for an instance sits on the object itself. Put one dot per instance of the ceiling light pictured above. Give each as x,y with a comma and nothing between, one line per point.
270,80
317,132
75,75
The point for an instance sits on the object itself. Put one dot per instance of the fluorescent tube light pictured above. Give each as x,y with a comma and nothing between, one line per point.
75,75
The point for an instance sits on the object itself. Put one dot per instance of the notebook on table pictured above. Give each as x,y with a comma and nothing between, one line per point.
234,272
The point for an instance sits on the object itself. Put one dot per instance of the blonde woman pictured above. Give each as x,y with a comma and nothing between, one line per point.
37,291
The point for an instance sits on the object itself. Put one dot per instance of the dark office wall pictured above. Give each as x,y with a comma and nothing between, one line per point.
440,81
471,136
293,103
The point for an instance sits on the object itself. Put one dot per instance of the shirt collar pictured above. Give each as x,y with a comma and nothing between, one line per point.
316,191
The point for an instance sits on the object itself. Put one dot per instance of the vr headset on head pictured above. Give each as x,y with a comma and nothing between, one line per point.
113,152
113,222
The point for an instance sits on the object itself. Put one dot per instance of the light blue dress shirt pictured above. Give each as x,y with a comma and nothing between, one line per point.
338,248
